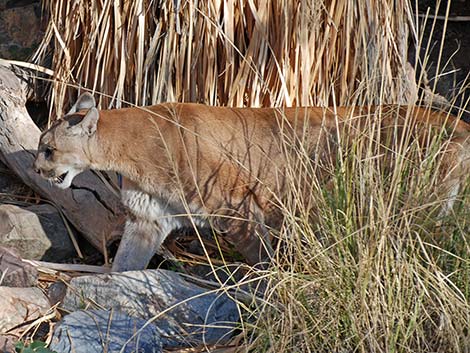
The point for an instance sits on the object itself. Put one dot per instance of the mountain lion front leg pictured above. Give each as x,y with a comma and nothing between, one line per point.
151,219
140,241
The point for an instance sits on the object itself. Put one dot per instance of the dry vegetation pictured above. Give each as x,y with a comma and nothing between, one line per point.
237,53
378,269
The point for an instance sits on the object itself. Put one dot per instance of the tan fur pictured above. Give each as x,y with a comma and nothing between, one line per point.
225,166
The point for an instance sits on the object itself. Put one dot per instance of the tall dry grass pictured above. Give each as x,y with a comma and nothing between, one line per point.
236,53
375,266
379,269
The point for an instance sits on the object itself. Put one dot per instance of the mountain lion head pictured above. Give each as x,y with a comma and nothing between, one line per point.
63,150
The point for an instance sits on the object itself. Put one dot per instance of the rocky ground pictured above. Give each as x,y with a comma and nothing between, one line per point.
144,311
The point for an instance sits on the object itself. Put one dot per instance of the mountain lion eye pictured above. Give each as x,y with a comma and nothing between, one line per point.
48,152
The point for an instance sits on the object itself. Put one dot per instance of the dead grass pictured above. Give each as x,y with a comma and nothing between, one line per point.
236,53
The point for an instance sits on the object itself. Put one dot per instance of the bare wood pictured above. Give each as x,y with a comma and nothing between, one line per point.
89,205
68,267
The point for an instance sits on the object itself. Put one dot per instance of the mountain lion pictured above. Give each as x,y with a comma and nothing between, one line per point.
227,168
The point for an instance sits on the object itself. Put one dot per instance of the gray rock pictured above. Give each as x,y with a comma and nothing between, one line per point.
18,305
185,313
56,292
98,331
35,232
14,272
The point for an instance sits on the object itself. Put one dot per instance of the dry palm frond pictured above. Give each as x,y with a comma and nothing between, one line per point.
237,53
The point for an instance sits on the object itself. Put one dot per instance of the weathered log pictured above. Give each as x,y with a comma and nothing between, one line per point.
89,204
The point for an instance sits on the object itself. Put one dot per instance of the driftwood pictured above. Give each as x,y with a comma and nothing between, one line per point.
89,205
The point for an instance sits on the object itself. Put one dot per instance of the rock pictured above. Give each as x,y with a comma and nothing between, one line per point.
21,28
209,317
35,232
56,292
18,305
14,272
98,331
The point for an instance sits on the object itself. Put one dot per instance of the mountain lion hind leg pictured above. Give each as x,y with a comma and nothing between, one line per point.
245,228
455,170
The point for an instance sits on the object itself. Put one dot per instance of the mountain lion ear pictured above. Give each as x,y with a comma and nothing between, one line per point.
85,101
89,123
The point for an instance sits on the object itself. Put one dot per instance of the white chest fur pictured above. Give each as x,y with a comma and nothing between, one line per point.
154,217
168,215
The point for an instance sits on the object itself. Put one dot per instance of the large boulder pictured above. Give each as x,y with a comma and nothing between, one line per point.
35,232
184,313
